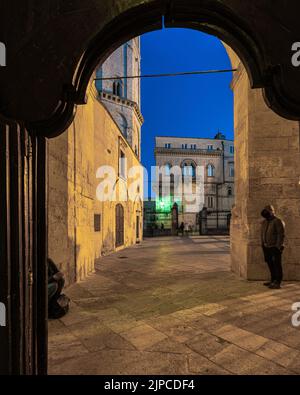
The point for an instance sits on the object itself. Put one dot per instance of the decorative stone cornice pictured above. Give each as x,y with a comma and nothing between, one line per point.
187,152
122,101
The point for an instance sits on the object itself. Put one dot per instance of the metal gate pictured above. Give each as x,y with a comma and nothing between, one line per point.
214,222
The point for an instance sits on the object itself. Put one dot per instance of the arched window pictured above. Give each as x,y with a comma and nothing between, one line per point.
118,88
210,171
189,169
124,126
193,170
167,169
119,225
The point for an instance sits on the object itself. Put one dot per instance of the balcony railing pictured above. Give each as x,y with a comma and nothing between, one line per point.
190,151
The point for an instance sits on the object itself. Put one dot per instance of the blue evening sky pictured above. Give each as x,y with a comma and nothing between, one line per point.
192,106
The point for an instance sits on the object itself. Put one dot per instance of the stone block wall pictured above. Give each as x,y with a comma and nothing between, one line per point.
267,171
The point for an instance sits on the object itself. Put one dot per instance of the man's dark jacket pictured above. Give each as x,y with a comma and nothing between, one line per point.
273,233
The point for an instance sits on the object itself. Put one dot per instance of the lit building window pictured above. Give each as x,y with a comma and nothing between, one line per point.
189,170
210,171
167,169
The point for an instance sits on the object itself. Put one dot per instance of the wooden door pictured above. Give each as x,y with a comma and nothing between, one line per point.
119,225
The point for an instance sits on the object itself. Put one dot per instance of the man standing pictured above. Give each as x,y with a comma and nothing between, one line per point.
272,239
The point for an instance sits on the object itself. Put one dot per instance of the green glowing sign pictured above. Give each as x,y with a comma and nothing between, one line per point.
164,205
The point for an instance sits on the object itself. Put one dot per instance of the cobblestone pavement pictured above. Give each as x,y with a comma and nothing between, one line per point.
172,306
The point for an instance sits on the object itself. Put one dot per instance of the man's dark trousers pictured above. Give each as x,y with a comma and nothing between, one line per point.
273,257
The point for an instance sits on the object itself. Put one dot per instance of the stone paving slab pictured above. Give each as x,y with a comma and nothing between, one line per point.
172,306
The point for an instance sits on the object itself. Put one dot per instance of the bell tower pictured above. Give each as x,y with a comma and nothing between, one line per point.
121,95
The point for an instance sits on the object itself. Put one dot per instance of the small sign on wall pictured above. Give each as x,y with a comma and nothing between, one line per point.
2,55
2,314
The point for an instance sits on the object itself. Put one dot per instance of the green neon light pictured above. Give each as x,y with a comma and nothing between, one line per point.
164,205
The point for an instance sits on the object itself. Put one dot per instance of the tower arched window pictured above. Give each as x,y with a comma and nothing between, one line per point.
124,126
210,170
118,88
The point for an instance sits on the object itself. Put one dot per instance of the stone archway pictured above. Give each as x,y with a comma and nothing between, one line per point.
59,59
52,50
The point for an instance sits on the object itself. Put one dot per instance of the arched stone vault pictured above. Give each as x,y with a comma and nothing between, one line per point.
57,45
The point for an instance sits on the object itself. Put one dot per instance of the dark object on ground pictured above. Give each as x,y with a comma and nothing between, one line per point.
58,303
59,307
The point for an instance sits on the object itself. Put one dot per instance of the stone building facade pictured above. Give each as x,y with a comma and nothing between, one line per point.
215,157
81,227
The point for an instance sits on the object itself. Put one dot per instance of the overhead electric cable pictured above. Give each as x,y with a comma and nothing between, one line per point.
185,73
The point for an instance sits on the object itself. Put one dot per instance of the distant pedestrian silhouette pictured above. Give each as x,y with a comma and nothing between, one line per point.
181,228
